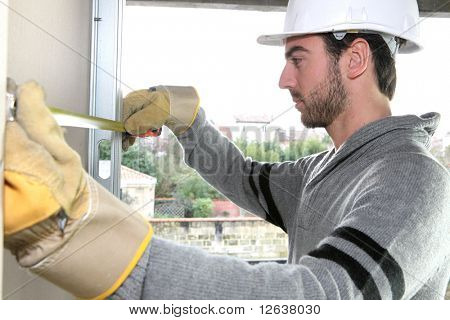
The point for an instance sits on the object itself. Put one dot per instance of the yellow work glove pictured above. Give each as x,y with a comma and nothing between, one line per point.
40,182
144,110
58,221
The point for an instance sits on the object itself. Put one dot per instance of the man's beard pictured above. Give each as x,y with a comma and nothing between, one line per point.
325,102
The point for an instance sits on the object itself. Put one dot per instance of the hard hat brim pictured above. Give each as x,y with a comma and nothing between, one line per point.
278,39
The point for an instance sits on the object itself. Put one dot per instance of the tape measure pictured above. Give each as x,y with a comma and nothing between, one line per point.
73,119
67,118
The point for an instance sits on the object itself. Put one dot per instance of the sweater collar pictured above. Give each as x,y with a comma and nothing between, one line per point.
419,128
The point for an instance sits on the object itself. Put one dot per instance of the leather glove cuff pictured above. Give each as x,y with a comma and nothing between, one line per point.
108,235
184,106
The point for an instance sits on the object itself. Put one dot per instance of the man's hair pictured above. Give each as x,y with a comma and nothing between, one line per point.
381,56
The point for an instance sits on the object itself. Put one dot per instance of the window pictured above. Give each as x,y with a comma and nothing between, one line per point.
198,47
237,80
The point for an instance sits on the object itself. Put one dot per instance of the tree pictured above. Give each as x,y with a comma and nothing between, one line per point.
105,150
136,158
253,151
192,191
192,186
303,148
294,151
202,208
140,160
272,156
174,178
241,143
313,146
326,139
165,186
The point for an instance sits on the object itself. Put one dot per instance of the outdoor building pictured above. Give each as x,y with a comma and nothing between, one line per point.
137,189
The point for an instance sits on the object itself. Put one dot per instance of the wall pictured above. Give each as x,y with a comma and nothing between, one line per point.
225,208
140,198
247,238
3,58
49,41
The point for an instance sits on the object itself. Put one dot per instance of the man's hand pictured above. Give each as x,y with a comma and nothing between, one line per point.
144,110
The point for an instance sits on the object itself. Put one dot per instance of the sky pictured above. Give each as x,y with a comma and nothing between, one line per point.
216,51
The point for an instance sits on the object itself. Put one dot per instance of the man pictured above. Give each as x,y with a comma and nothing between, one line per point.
368,219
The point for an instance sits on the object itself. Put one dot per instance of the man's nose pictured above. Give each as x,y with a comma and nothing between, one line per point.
287,79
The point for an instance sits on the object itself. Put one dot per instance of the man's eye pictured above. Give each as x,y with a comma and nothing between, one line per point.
296,61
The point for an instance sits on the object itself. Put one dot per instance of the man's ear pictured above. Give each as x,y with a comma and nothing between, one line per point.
358,56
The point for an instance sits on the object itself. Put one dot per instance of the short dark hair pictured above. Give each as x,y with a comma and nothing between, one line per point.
381,56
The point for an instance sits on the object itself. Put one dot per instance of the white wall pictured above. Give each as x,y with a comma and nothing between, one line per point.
49,41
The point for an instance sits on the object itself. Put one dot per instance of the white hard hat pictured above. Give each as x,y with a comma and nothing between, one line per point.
390,18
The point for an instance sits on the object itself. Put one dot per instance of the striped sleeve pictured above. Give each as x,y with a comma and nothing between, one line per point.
252,185
362,276
263,191
388,246
348,264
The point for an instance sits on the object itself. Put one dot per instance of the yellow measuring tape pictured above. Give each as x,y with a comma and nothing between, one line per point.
73,119
66,118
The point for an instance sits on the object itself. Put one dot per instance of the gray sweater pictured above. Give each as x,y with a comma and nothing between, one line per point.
368,221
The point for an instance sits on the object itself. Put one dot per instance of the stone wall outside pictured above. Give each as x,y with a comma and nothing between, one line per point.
247,238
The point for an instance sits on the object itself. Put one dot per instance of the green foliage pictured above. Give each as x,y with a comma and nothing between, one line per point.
175,179
254,150
191,186
326,139
139,159
159,215
267,151
105,150
313,146
294,151
241,143
202,207
272,156
165,185
271,151
303,148
192,192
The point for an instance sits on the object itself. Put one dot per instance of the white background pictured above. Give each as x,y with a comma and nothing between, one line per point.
215,50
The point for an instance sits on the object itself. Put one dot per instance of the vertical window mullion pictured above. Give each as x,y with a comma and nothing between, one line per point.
105,96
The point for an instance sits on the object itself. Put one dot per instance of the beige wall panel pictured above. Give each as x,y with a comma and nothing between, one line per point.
3,52
49,41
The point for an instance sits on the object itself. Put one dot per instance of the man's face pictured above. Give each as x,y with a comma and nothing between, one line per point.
314,81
